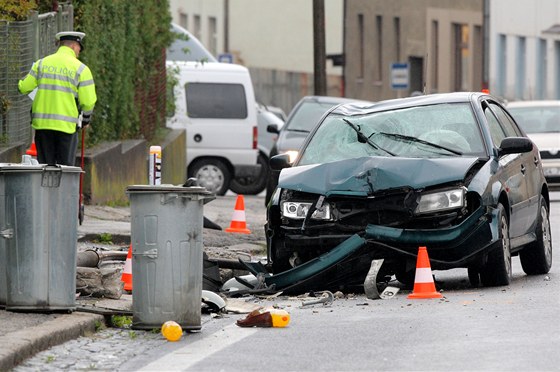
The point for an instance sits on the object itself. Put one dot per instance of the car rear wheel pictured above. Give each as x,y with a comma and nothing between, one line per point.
213,174
252,185
497,270
536,258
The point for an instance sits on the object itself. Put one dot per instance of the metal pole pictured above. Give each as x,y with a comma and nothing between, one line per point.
320,74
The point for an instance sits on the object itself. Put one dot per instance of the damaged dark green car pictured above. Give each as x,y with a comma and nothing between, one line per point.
452,172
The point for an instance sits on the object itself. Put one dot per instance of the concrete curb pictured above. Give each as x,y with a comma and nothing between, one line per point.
19,345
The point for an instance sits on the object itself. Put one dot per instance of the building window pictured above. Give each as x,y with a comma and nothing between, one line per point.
183,20
520,69
379,48
361,47
197,27
433,57
212,35
501,65
397,26
462,54
541,69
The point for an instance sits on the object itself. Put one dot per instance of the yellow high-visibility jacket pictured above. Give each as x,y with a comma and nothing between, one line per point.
62,82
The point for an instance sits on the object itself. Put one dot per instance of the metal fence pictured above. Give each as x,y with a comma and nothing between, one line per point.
21,43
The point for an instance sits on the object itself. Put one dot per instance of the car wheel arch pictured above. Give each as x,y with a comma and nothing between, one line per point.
205,158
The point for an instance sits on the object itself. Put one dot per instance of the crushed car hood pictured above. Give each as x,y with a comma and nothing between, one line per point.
363,176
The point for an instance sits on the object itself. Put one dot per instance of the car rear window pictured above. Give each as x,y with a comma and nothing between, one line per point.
216,101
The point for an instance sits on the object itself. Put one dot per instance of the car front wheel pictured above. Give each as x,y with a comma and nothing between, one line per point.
497,270
213,174
536,258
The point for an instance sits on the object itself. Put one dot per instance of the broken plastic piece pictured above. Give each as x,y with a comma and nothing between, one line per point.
214,302
265,318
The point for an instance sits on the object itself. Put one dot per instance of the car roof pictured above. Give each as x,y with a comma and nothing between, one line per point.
429,99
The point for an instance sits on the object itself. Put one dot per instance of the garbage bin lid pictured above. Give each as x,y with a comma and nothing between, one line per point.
17,167
168,189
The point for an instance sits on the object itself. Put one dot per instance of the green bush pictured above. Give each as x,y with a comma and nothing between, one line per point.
16,10
125,48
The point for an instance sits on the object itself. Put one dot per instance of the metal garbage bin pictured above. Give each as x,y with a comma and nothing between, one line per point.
167,251
40,235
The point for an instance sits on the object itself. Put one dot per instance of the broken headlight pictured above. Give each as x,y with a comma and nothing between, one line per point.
298,211
441,201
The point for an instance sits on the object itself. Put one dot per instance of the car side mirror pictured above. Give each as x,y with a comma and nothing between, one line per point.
279,162
272,128
515,145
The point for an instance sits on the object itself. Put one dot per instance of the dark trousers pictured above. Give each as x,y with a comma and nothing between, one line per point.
55,147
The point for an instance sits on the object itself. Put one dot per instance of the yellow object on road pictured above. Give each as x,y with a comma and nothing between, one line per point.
171,330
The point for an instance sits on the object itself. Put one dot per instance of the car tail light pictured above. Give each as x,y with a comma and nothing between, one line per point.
255,136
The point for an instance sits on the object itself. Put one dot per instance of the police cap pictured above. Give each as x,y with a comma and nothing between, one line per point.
72,35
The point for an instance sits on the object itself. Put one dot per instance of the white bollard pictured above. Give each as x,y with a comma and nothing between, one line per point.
154,170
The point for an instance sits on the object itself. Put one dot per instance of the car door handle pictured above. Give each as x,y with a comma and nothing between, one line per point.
536,160
523,169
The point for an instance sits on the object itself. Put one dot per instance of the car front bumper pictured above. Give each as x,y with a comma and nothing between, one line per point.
462,245
457,246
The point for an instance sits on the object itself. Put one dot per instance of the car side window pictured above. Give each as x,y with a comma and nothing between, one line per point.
509,126
496,131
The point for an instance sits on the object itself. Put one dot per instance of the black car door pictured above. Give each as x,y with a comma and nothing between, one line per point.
511,173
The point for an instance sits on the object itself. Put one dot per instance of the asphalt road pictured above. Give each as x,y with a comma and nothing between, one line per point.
512,328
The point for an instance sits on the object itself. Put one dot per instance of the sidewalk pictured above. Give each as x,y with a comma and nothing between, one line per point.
22,335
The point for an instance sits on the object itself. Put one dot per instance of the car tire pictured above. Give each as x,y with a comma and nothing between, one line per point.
406,277
271,184
250,185
280,260
474,276
536,257
213,174
498,271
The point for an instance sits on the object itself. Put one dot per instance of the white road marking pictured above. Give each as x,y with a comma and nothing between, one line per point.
192,353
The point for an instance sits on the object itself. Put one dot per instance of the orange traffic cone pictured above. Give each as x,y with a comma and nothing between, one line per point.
424,286
238,223
32,149
127,272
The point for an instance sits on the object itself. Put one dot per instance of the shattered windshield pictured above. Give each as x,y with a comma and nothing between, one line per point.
433,131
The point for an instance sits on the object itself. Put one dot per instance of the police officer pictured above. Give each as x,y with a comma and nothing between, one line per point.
65,88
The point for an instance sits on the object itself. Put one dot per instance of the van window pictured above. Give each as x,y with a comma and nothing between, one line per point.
216,101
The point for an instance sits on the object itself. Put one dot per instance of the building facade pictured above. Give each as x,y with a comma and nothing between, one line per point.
438,44
273,38
524,49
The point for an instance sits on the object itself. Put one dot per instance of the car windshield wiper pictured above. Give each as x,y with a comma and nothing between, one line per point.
298,130
418,140
362,138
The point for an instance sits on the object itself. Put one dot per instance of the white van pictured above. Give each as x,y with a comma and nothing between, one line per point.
216,105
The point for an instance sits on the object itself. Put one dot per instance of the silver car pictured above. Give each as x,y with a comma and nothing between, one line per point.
541,121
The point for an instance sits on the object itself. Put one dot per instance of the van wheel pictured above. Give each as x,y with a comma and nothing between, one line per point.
252,185
212,174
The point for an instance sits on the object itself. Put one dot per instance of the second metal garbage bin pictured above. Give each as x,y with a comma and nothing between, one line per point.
166,234
39,230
